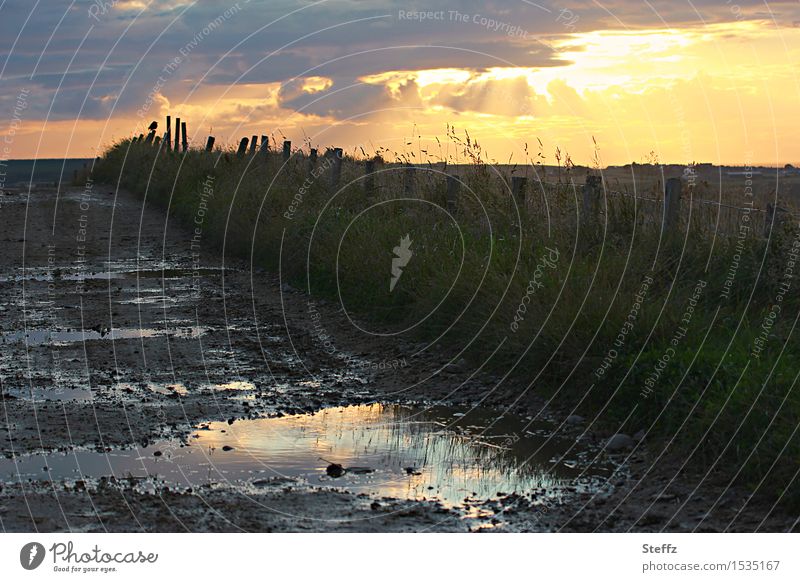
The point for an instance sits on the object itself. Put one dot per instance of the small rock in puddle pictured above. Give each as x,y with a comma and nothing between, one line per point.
336,470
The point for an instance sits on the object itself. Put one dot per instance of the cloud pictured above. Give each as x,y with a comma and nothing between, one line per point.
289,64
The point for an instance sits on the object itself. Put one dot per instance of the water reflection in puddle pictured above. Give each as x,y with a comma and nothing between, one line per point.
49,275
412,452
234,385
51,394
35,337
85,394
168,389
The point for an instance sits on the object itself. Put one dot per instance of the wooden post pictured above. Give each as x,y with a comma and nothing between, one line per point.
409,180
775,218
157,141
287,150
151,135
453,189
253,145
210,143
243,146
141,137
336,169
177,133
167,134
369,177
519,186
264,144
184,139
672,202
591,196
312,157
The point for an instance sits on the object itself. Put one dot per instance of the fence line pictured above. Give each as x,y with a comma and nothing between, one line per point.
672,203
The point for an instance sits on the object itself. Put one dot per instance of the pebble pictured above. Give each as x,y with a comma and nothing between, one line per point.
575,419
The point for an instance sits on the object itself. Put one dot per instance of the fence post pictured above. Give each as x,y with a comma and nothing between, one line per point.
409,180
177,133
775,218
287,150
336,174
369,177
591,196
519,185
157,141
312,157
184,138
210,143
672,202
242,146
253,144
264,147
167,142
453,189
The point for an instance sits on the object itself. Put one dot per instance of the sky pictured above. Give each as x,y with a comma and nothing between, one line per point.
606,82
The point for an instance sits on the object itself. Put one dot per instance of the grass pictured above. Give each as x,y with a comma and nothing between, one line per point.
606,315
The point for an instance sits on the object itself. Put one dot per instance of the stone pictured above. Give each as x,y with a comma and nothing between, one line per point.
619,442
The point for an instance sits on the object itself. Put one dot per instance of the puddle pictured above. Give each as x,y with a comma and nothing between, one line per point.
162,300
168,389
182,390
36,337
85,394
235,385
48,275
52,394
414,453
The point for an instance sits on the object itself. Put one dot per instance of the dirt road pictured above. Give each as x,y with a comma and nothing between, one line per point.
122,332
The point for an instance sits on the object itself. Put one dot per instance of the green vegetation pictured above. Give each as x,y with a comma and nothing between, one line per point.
686,334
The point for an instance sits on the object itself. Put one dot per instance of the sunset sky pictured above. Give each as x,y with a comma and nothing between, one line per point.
705,81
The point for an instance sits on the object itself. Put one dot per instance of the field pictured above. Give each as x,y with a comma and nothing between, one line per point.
684,336
43,172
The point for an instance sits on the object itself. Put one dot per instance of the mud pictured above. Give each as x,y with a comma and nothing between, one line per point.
123,335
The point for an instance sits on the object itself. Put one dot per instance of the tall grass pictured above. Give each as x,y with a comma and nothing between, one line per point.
587,311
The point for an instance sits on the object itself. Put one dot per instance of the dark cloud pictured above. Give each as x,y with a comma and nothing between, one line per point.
128,52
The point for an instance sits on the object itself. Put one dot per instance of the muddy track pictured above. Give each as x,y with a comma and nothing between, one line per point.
120,329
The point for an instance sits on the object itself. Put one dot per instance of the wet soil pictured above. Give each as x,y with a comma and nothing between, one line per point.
123,335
